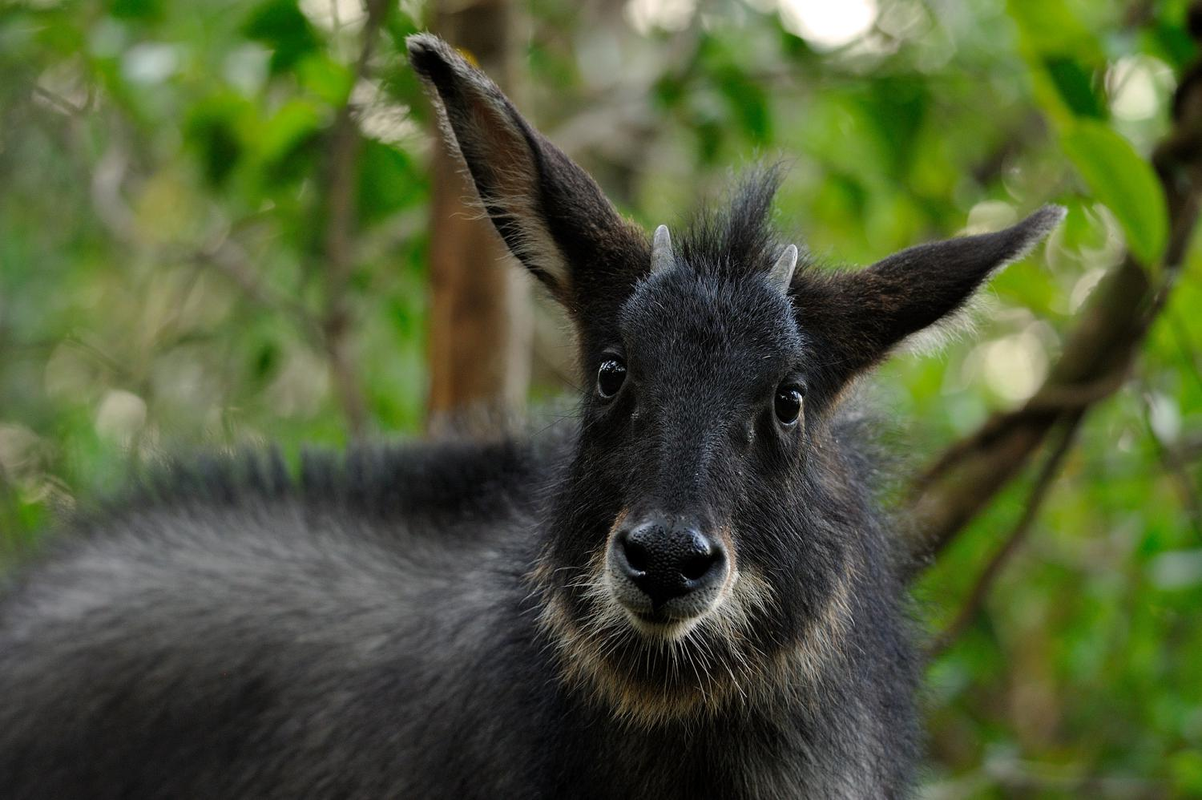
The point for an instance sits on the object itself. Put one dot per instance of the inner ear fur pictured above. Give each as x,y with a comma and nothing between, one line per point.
550,213
857,317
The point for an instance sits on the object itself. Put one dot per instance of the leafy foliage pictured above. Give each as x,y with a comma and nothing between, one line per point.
163,281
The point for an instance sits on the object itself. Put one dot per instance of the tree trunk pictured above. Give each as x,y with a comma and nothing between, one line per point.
480,318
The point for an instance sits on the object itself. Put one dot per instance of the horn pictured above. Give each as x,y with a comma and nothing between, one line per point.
661,250
782,271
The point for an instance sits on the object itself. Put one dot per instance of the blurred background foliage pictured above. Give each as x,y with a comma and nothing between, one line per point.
165,193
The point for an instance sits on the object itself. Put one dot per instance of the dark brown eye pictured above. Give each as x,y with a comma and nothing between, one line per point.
610,377
788,404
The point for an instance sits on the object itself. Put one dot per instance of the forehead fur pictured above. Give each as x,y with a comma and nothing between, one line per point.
715,297
687,316
738,240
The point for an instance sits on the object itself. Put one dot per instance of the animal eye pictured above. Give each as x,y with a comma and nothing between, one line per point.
787,403
610,377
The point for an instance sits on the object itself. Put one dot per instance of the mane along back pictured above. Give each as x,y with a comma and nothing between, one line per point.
387,481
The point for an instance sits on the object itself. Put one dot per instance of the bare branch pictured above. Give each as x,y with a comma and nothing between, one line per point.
1188,357
1097,357
1033,778
340,211
229,258
1175,465
60,103
1048,403
976,597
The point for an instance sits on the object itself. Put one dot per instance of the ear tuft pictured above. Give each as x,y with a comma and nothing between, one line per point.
431,56
1035,228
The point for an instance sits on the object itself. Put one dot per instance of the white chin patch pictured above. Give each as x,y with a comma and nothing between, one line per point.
668,630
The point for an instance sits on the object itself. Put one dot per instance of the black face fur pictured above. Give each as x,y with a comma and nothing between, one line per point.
693,436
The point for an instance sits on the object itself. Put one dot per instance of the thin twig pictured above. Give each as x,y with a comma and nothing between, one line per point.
1097,356
1189,449
1175,466
231,260
1050,402
221,253
59,102
976,597
339,193
1188,356
1067,780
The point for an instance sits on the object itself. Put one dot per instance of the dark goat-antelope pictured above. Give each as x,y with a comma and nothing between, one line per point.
688,595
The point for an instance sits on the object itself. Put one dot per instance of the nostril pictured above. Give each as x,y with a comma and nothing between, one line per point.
698,564
636,554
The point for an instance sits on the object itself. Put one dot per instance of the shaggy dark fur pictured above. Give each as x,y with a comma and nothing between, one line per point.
450,620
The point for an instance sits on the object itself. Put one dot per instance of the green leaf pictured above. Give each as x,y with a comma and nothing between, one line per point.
1076,86
136,9
212,130
328,80
388,181
748,103
280,25
1172,43
1118,177
1186,769
1049,27
295,123
896,107
1067,59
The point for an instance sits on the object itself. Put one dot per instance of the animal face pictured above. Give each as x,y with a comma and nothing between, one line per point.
706,544
700,392
689,549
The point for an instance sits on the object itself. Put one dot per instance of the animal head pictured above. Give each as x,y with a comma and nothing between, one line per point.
709,542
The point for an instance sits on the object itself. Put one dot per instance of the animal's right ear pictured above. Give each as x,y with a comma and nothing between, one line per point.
551,214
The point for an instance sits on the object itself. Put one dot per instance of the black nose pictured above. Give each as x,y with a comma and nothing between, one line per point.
669,561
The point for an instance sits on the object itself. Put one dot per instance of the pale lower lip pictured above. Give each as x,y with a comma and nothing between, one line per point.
659,625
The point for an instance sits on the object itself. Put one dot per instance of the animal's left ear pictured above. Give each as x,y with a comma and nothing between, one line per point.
856,318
